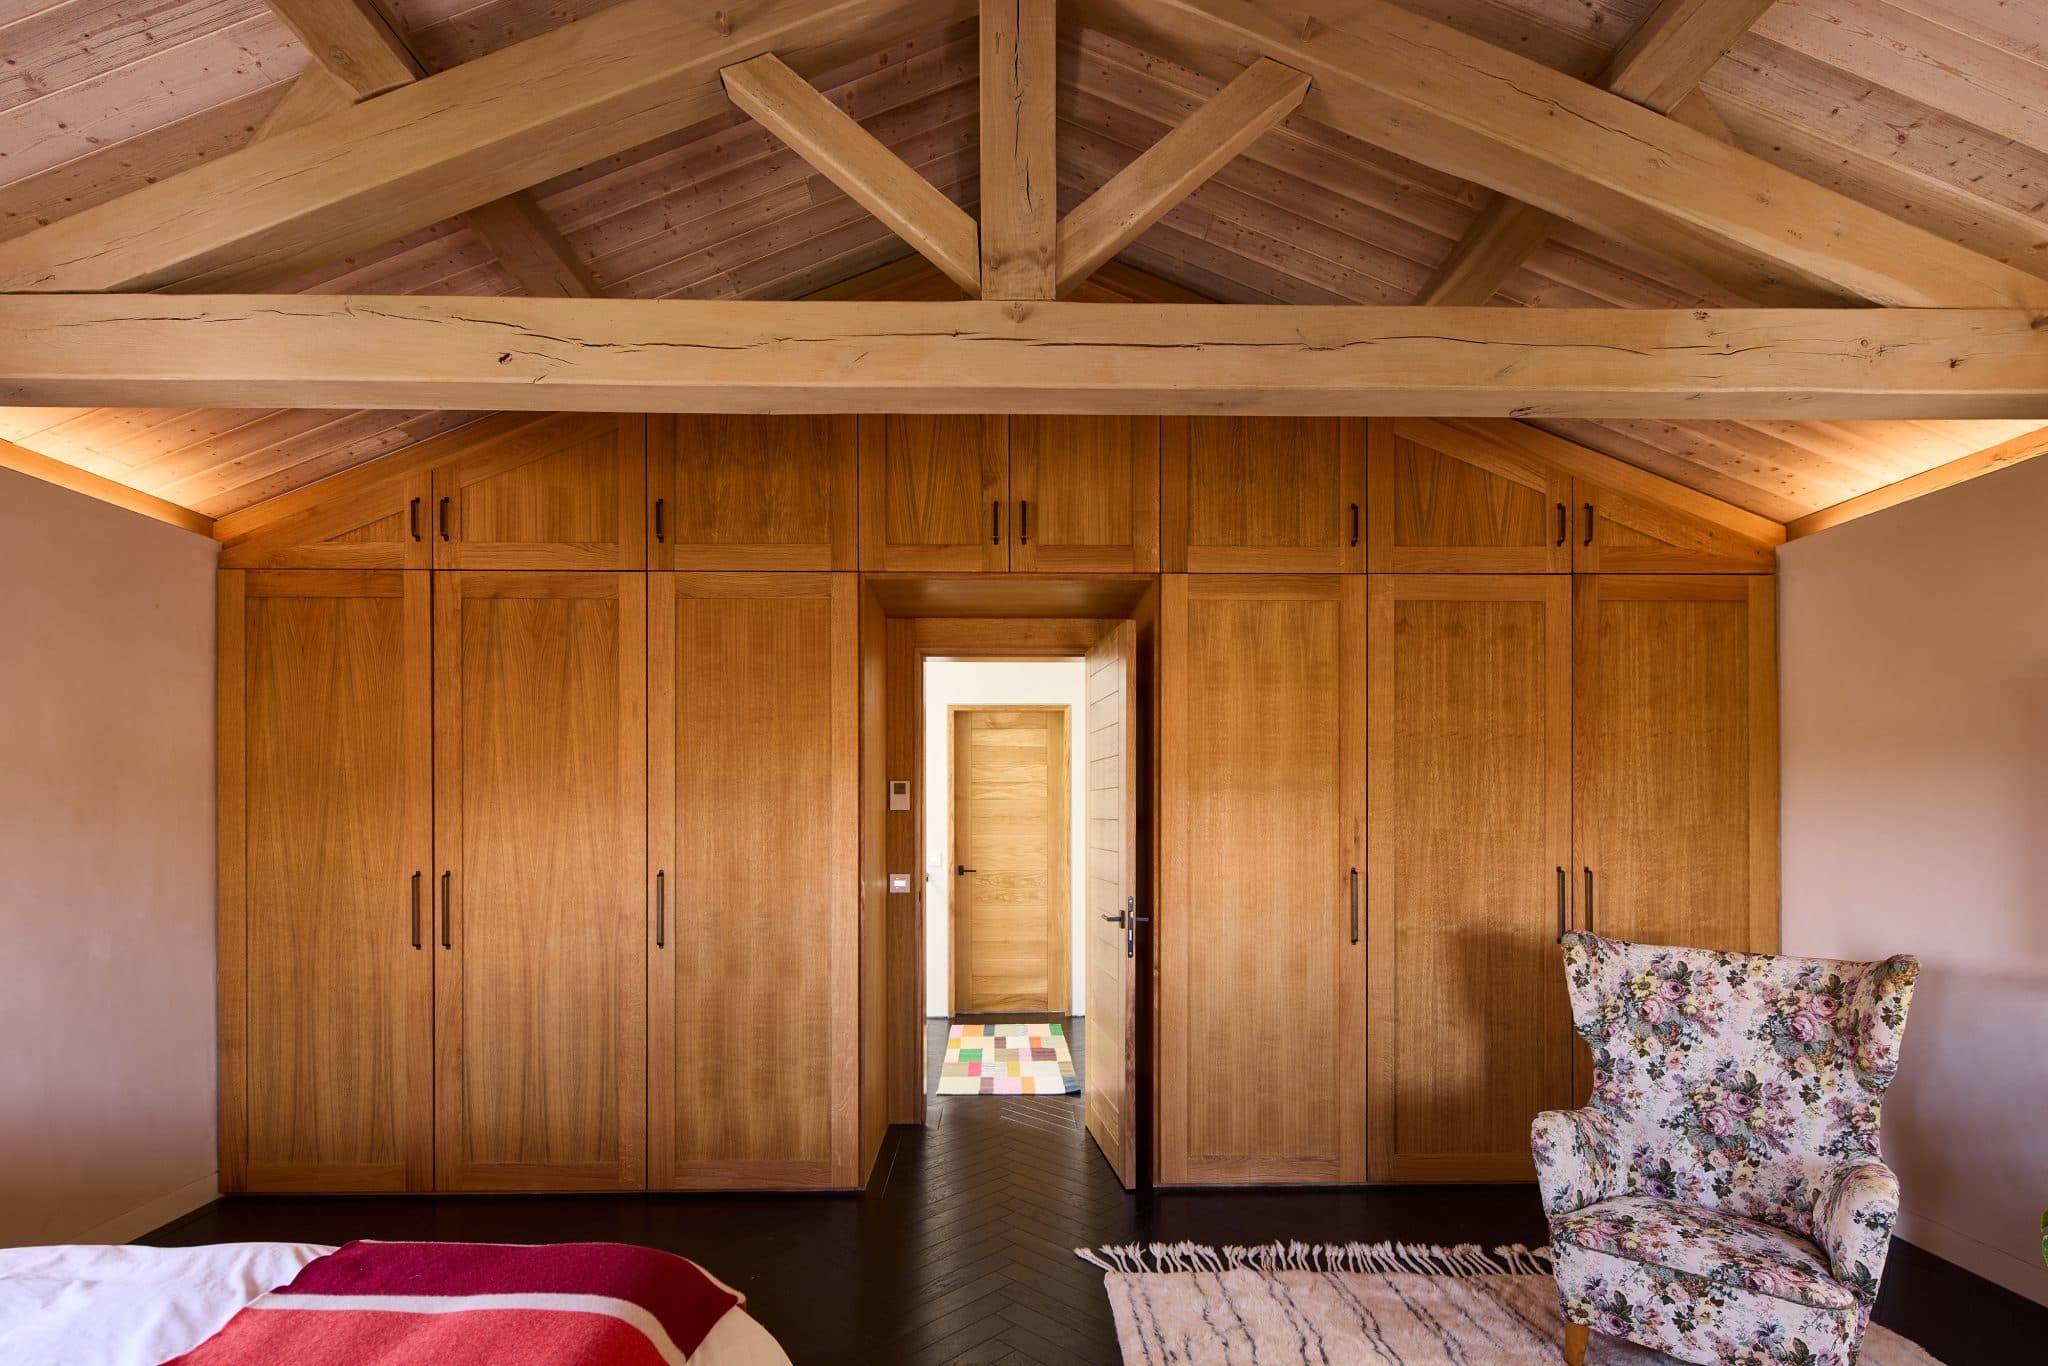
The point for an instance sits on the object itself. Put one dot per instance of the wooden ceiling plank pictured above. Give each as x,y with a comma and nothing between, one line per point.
444,144
636,356
859,163
1019,159
2006,453
56,472
352,42
1660,64
1433,94
1171,169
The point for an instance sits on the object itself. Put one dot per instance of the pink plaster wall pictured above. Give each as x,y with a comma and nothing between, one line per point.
106,868
1914,691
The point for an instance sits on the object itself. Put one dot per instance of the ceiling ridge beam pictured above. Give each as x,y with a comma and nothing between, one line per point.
1435,95
616,355
1019,159
1177,165
859,163
2005,454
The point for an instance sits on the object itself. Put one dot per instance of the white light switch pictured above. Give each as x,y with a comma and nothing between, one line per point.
899,882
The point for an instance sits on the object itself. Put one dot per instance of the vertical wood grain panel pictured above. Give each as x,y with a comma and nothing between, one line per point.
565,491
1011,827
744,491
1444,499
1110,1084
1086,494
934,493
1263,495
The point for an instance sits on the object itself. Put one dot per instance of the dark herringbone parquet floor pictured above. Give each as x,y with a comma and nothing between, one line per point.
961,1249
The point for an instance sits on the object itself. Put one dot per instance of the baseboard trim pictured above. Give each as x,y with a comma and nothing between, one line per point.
2027,1280
142,1219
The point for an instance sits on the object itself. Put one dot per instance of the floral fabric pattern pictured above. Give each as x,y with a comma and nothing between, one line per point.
1726,1173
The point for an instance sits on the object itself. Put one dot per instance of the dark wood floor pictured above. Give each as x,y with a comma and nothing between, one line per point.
961,1249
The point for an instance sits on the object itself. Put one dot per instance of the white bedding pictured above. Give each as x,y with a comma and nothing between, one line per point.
92,1305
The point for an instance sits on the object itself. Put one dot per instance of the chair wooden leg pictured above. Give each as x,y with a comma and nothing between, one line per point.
1575,1336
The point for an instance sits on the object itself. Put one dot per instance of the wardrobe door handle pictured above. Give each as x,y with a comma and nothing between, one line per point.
1563,916
1564,524
661,909
995,521
416,896
444,519
1354,524
1589,524
660,507
1023,521
413,518
1589,902
1354,905
446,942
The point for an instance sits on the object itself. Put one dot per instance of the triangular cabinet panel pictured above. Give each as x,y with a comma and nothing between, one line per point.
1458,499
382,526
564,491
1621,533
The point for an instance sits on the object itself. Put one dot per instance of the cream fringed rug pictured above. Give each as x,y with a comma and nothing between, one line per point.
1182,1304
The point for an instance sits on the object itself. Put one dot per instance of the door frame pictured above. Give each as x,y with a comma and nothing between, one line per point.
1059,925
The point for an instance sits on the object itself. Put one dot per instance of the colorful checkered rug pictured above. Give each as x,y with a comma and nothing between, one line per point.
1008,1060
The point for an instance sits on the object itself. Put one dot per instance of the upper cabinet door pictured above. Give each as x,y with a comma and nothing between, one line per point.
1619,533
384,526
934,493
1086,494
1448,498
753,492
559,492
1263,494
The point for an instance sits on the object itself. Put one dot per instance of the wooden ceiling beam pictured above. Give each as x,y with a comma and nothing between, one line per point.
351,41
857,162
309,99
25,461
1019,166
471,354
1174,167
2020,448
1661,63
1440,97
445,144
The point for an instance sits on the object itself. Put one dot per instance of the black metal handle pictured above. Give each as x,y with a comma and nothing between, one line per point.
444,519
995,521
961,870
416,895
1354,524
1354,905
1563,916
413,518
660,506
446,942
1023,521
1564,524
1589,524
661,909
1589,901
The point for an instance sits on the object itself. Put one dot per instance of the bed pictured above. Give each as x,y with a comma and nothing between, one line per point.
452,1303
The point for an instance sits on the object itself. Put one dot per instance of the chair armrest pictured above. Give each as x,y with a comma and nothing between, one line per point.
1578,1161
1857,1206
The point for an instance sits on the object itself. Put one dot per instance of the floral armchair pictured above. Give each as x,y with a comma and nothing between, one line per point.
1721,1199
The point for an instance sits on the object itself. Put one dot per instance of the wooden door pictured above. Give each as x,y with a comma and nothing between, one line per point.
563,491
934,493
1110,1082
1620,533
1263,495
326,783
1450,498
384,526
754,904
1469,705
1086,494
1675,802
1260,952
1011,927
742,491
540,832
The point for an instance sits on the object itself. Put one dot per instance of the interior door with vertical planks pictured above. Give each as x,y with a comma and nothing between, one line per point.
1469,827
1085,493
1011,831
540,984
326,827
754,895
1675,803
1110,1080
1260,935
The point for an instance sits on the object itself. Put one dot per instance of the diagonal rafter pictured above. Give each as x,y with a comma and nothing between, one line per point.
855,160
1175,167
1658,67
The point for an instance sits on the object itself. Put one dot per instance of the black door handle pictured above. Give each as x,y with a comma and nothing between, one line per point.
961,870
1354,524
1024,521
1589,524
1563,917
446,943
413,518
1354,905
415,900
995,522
661,909
1564,524
444,519
1589,902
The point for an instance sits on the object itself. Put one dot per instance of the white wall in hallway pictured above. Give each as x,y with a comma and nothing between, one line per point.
951,683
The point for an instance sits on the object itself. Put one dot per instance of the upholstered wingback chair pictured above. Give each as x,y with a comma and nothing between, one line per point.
1721,1199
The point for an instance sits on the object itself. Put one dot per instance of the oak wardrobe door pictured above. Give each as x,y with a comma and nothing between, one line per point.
1449,497
540,836
1470,839
326,986
744,491
754,812
1263,495
1085,492
1260,941
1675,807
934,493
564,491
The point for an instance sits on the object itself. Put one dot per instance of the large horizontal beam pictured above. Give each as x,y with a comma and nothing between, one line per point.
1442,98
445,144
608,355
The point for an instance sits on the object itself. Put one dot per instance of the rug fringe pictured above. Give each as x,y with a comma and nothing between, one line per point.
1422,1259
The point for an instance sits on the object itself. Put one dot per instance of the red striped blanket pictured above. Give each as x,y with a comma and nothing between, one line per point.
450,1304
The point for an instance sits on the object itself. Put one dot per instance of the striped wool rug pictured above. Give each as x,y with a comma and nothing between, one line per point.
1415,1304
